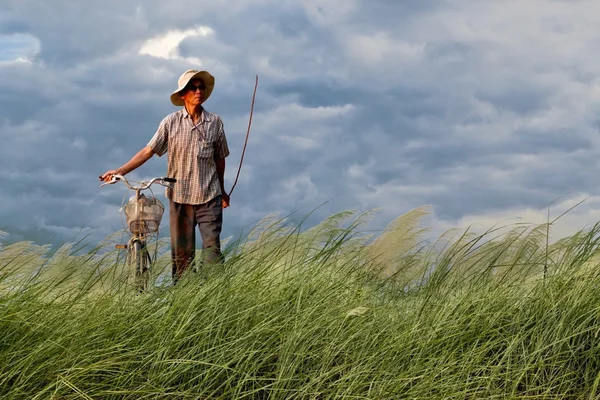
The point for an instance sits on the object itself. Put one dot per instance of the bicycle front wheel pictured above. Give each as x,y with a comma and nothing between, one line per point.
139,265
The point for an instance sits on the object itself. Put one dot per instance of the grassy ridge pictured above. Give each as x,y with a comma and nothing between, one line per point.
325,313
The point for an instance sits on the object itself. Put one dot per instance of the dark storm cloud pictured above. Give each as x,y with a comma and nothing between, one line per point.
11,22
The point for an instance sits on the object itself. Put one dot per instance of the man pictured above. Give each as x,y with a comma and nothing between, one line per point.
196,145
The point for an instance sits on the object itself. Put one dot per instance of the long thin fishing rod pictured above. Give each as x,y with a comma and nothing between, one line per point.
247,135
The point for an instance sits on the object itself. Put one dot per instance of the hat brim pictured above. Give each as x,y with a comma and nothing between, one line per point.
209,83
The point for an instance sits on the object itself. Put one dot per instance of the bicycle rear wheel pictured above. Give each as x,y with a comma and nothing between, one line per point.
139,265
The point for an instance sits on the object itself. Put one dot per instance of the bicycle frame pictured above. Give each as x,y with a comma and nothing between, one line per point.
138,257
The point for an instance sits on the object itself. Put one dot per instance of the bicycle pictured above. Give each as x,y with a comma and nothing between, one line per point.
143,215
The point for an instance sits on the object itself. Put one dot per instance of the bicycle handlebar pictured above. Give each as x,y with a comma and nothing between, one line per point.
164,181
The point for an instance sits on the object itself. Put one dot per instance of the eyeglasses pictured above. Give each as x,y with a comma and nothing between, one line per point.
193,88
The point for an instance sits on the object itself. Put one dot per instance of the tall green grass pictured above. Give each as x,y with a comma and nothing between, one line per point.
329,312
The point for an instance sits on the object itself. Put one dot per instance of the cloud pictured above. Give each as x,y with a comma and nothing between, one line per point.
167,45
566,215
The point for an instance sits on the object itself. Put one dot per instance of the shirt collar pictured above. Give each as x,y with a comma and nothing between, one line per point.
204,117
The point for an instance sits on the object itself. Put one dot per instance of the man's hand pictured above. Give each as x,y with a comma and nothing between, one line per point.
108,175
225,200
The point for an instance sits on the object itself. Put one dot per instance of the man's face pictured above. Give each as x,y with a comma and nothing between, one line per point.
193,93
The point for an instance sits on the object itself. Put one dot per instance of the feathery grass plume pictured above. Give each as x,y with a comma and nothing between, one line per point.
514,252
517,247
277,249
396,249
20,261
580,249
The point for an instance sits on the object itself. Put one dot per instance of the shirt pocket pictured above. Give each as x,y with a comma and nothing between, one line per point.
205,149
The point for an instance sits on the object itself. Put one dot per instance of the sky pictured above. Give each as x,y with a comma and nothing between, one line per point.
485,111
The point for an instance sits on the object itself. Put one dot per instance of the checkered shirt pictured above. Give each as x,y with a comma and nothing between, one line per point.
192,151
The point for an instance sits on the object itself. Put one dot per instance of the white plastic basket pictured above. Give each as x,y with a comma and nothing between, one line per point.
143,216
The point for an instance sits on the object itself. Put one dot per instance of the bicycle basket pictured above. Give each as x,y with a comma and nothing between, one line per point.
143,216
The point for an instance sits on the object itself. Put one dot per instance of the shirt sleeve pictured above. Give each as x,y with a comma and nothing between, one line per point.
221,148
160,141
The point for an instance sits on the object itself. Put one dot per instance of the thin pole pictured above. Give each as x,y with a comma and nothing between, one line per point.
247,135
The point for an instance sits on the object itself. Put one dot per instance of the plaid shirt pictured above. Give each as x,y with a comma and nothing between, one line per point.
192,152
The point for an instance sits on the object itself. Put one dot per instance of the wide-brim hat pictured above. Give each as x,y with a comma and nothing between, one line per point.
185,78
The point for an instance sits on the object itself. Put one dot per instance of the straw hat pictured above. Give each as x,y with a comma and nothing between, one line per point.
186,77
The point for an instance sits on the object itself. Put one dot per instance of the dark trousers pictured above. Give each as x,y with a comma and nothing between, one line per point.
183,221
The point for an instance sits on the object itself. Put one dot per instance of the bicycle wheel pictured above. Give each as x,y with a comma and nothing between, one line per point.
139,265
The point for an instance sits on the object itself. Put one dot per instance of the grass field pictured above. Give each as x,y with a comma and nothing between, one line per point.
325,313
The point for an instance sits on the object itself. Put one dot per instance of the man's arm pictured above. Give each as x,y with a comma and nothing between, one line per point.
220,164
140,158
221,151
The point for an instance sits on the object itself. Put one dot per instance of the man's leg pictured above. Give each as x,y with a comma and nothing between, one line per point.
183,237
210,221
